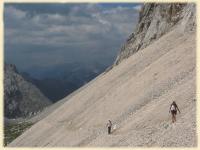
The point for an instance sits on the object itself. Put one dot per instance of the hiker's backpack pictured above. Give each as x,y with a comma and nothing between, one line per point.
173,108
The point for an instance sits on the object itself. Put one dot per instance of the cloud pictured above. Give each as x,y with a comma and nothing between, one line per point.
13,13
138,7
74,29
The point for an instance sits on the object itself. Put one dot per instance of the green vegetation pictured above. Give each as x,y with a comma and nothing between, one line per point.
12,131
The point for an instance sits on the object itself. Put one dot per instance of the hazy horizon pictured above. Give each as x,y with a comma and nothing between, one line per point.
41,39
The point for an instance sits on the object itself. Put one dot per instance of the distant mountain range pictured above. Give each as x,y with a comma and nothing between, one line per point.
25,96
58,84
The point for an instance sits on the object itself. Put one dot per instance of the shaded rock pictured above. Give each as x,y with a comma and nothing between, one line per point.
21,98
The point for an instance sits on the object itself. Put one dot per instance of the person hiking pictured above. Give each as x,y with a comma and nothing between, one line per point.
173,109
109,125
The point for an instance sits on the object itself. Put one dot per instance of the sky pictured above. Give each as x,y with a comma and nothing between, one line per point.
42,37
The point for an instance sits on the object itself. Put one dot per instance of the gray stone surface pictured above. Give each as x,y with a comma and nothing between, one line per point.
154,21
21,98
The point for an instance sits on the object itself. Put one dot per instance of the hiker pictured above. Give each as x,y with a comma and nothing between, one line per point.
109,125
173,109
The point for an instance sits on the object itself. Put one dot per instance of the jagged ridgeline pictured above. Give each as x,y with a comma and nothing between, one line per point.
154,21
21,98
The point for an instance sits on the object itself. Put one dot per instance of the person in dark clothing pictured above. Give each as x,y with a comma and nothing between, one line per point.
173,109
109,125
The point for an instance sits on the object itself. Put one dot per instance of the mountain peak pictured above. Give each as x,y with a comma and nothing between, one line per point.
154,21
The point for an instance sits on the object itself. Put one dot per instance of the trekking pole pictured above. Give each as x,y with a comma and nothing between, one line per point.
152,88
154,79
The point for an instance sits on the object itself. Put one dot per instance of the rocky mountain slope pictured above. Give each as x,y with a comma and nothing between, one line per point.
21,98
154,21
135,95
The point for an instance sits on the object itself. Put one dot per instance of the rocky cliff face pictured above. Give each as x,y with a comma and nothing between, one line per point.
154,21
21,98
